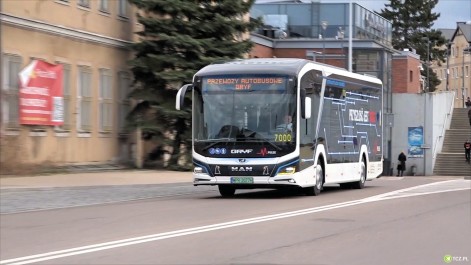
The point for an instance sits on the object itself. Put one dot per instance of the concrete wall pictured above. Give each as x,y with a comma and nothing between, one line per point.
409,111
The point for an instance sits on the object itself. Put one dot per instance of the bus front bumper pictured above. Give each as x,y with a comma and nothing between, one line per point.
248,181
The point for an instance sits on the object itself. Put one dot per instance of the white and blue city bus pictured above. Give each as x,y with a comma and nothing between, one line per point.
278,123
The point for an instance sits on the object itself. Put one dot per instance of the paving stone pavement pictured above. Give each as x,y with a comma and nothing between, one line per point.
24,200
32,193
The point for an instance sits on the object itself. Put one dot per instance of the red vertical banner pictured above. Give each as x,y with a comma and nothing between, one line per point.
40,96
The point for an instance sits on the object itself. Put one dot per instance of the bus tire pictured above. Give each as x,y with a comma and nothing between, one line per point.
361,183
317,188
226,190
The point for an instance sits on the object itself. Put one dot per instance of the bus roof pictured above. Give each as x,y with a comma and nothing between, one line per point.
257,66
281,66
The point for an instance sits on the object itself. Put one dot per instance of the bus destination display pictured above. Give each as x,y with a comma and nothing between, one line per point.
244,83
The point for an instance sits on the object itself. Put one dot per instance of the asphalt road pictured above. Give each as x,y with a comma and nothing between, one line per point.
391,221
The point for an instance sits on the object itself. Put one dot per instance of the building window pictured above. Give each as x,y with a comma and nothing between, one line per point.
467,70
123,8
104,6
84,3
124,102
66,126
84,99
411,75
10,105
105,101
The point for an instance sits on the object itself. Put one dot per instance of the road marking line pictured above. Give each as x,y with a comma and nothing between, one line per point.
461,185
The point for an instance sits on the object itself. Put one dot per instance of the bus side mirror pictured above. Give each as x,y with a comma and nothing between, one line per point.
305,105
307,108
181,96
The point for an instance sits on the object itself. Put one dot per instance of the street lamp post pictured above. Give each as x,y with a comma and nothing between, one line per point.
426,88
425,105
448,50
465,51
324,27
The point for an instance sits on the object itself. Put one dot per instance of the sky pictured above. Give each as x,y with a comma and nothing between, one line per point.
451,11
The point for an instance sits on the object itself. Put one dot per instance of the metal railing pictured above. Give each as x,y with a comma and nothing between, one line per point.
441,137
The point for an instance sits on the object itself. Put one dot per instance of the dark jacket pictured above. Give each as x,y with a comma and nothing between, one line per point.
402,158
467,146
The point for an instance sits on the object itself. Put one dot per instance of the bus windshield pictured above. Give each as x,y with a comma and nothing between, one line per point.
248,109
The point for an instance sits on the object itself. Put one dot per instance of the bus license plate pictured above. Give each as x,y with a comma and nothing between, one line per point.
241,180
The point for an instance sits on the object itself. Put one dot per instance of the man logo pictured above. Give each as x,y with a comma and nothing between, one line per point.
241,169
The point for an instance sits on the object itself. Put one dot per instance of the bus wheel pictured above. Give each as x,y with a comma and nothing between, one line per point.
226,191
316,189
361,183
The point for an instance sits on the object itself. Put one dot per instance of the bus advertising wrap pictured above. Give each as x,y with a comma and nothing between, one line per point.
40,96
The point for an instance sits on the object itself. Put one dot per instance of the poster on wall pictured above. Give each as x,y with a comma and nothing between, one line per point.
415,141
40,97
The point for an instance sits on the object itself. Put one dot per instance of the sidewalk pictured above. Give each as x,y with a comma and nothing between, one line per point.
106,178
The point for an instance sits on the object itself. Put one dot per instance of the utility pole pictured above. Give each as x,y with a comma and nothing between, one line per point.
448,50
425,94
350,33
324,25
426,87
465,51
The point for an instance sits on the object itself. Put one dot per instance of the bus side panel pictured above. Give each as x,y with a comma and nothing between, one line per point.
375,169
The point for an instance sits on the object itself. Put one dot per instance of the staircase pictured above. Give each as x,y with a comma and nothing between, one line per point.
451,161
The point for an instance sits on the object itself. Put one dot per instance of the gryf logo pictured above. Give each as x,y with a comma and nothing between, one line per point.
241,151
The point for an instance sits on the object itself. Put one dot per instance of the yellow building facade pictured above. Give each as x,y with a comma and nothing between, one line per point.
458,66
90,39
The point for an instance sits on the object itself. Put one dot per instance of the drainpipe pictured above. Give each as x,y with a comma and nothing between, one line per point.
1,66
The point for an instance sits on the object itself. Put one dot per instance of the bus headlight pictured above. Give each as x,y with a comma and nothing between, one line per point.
199,170
287,171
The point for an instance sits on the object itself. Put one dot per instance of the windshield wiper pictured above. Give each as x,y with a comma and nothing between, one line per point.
219,141
268,142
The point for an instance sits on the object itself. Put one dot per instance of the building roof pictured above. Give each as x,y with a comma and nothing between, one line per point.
464,27
447,33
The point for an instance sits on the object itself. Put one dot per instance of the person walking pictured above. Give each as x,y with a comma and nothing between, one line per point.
468,102
467,151
401,166
469,116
